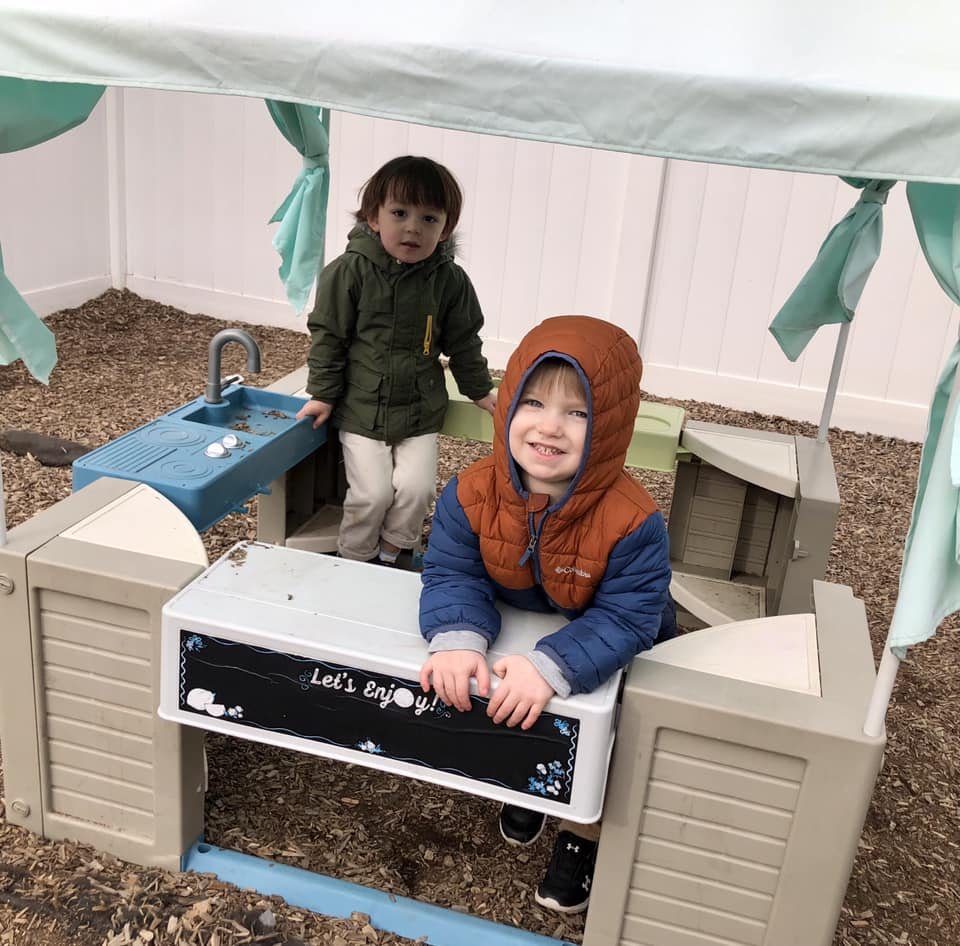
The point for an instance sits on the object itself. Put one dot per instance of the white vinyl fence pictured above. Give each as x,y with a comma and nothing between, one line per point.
168,194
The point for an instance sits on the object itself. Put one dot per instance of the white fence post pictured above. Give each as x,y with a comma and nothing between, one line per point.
116,187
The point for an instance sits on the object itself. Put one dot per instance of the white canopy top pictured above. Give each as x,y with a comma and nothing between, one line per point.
824,85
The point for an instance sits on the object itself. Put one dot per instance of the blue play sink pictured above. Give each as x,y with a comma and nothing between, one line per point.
209,459
245,410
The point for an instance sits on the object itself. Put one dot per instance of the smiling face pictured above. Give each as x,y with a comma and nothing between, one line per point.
409,232
548,431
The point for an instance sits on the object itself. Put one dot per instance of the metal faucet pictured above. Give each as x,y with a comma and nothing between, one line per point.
214,385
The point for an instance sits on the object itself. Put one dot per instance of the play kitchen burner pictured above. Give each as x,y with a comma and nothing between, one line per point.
210,456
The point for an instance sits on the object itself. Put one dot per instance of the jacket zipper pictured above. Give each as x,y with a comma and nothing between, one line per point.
428,335
531,549
531,552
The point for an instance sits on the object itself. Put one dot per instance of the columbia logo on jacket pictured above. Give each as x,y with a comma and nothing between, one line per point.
571,570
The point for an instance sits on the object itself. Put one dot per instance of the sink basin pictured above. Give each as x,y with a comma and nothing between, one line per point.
245,410
209,459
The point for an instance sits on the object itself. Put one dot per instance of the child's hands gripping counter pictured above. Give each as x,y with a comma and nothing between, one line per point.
519,698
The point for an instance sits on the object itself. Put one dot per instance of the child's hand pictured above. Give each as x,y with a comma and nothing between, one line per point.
318,410
488,403
522,695
451,671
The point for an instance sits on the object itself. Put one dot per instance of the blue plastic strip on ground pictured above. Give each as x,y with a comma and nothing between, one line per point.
321,894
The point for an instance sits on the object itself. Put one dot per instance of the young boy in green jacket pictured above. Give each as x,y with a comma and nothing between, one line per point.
384,313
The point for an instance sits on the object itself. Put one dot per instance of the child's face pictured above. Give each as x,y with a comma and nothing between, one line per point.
547,437
409,232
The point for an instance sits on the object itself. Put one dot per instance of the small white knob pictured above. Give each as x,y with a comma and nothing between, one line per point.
216,451
231,441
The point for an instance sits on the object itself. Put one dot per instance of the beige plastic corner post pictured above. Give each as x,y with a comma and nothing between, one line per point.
303,507
85,757
739,783
751,522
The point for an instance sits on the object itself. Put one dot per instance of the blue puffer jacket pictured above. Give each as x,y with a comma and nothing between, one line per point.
598,554
631,609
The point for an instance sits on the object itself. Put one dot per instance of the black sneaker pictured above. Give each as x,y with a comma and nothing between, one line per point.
566,884
519,826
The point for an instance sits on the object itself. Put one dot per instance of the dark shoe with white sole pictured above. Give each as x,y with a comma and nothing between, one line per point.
519,826
566,885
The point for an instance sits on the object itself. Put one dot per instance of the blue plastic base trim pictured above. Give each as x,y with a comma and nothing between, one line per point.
321,894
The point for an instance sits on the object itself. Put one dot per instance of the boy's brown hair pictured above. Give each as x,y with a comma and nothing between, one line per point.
412,180
556,374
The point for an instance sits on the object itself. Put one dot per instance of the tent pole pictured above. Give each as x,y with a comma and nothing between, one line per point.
834,382
882,690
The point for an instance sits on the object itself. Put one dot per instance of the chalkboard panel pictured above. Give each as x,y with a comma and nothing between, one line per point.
258,688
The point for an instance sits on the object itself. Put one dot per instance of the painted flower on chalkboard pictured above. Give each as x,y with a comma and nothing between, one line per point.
204,701
562,726
194,642
547,780
368,745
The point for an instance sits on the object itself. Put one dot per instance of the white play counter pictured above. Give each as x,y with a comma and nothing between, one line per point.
323,655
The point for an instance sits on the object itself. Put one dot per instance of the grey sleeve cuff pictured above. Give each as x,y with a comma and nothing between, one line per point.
550,672
458,640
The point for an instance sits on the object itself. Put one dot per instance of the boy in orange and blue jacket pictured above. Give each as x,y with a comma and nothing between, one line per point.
550,522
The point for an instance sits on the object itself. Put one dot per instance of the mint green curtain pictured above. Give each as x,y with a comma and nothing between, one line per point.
30,113
831,288
930,575
303,215
23,334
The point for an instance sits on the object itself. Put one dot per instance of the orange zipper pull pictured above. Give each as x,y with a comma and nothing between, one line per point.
428,335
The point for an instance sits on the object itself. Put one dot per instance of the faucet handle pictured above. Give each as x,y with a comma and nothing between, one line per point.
230,379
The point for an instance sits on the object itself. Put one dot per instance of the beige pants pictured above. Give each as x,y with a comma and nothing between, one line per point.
389,491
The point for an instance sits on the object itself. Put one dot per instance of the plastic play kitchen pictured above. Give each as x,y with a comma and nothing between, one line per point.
730,741
745,752
210,456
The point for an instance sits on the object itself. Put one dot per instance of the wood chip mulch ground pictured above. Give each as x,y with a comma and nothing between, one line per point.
123,361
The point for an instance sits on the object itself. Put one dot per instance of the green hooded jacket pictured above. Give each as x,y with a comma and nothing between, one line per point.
378,328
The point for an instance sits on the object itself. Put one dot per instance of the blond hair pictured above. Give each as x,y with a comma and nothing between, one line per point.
557,374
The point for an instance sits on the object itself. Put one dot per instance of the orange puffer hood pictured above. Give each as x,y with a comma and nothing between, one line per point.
562,545
610,369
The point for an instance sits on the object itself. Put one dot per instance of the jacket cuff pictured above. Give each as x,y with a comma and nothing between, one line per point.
320,395
550,672
473,396
458,640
